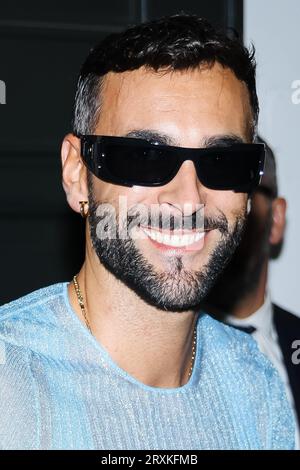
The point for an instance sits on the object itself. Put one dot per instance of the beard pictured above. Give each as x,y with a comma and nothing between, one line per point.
177,289
241,276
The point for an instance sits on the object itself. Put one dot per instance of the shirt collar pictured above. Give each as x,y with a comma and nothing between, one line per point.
262,319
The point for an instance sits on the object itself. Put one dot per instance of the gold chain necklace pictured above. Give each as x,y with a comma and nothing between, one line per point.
82,307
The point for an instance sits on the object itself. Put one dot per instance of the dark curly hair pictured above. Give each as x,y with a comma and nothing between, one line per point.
178,42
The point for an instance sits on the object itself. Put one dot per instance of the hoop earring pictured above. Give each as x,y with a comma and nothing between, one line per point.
83,212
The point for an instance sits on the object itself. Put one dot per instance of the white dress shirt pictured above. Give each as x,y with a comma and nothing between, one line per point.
267,339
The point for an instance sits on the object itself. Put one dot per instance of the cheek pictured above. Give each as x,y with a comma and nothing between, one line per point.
236,202
229,203
122,198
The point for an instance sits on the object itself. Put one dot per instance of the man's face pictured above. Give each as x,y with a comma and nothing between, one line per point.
185,109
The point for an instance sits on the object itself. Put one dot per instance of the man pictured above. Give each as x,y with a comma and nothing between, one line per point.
121,357
241,297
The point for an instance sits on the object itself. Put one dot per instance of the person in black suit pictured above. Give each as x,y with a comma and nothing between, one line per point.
241,297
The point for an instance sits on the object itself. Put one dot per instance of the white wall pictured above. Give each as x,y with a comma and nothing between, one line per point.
274,28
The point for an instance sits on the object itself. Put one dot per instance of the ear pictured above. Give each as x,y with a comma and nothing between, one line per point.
278,224
74,172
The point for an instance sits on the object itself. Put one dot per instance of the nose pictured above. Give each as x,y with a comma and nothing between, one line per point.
184,191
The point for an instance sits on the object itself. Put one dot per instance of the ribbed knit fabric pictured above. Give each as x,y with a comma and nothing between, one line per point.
61,390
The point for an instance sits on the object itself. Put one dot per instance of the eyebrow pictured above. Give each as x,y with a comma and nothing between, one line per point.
155,137
223,140
152,136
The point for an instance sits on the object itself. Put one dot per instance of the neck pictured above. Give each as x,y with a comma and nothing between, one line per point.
254,300
152,345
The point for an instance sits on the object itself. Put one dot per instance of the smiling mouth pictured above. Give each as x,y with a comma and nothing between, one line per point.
174,240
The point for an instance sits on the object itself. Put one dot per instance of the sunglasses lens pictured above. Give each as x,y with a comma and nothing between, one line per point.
231,169
140,165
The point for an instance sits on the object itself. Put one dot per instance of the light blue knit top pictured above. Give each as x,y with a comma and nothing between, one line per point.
60,389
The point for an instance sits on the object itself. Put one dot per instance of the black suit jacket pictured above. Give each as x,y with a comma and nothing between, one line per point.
288,330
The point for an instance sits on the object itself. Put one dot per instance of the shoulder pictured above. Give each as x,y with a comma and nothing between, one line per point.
27,328
235,350
253,382
239,351
229,339
32,300
23,318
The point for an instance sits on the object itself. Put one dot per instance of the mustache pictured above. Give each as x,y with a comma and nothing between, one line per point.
158,220
172,223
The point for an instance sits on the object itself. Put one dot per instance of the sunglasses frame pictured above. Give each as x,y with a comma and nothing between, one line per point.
93,152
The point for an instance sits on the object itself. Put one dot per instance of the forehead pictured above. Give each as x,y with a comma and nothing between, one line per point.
183,104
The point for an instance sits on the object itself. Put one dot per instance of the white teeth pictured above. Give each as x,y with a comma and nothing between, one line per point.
174,240
155,236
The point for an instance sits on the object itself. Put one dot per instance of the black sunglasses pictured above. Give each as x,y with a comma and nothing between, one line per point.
129,161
